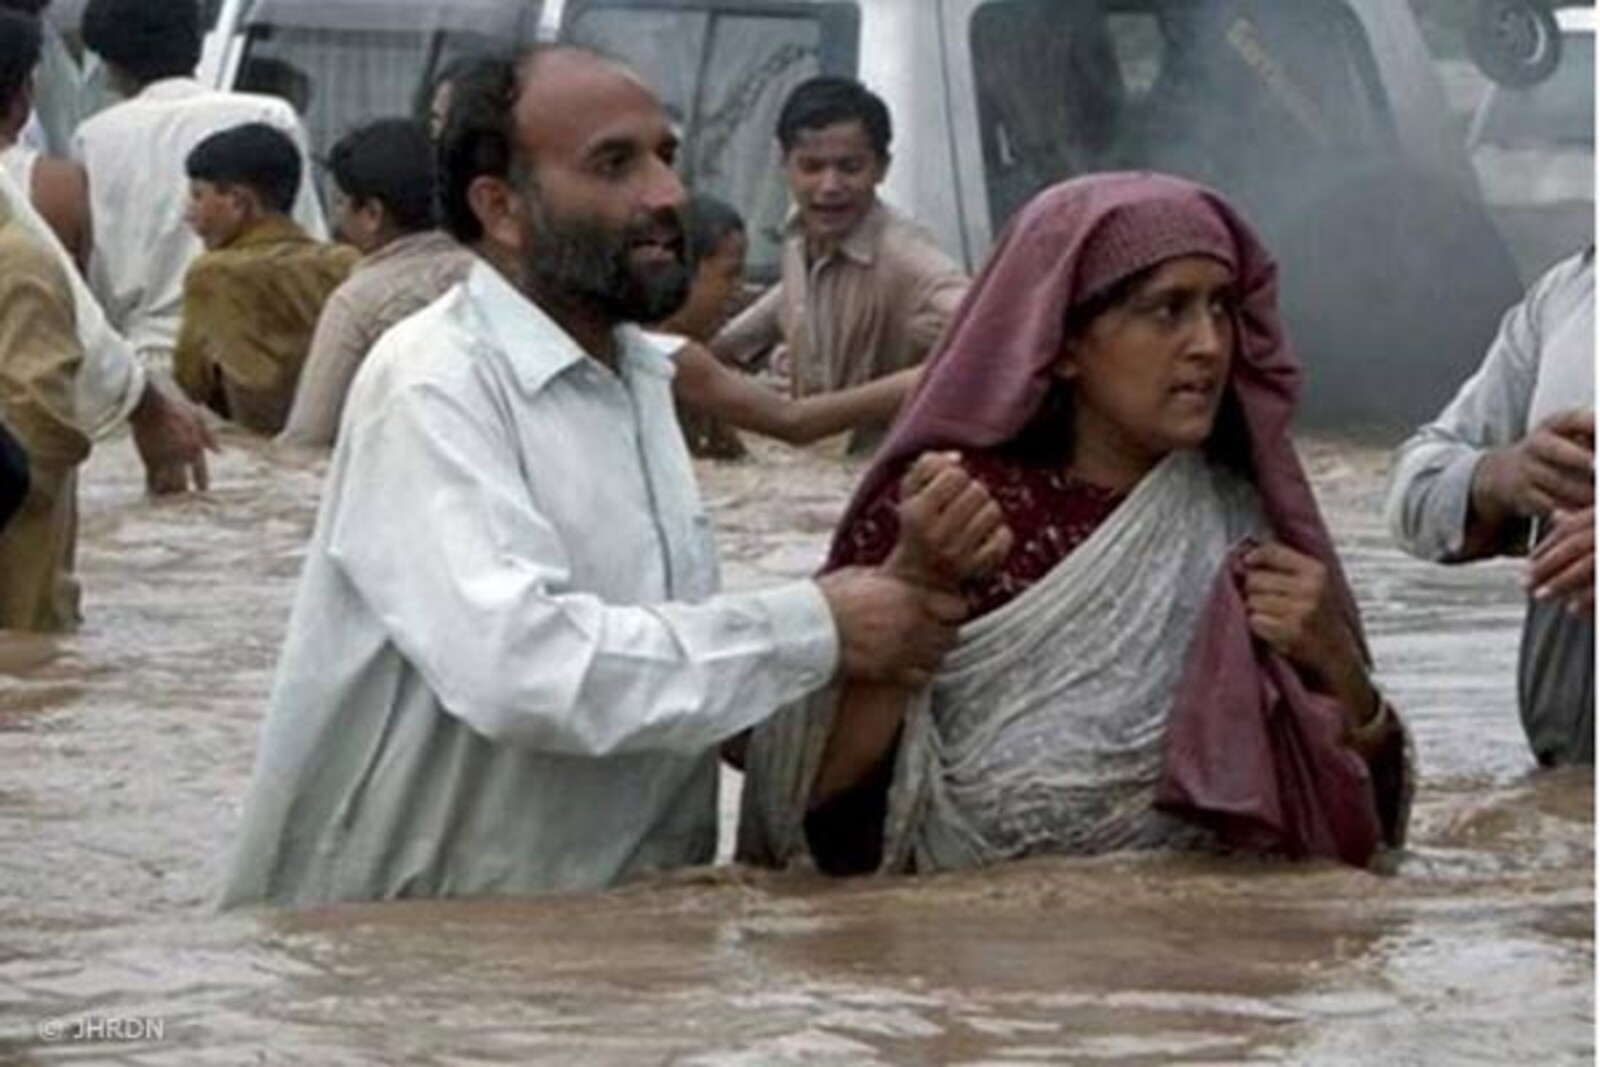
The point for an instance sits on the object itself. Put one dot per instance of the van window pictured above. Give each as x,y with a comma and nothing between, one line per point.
723,69
345,64
1231,94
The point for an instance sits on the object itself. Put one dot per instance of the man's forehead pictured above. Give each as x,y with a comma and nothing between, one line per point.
571,98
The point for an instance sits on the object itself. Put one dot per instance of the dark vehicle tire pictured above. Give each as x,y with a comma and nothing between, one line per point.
1393,285
1515,42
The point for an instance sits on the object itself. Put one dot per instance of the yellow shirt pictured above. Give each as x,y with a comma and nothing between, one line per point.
249,311
39,361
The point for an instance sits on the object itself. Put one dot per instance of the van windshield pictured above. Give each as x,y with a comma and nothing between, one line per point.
342,64
723,69
1251,96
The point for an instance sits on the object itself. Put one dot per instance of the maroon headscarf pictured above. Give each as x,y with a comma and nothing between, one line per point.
1224,764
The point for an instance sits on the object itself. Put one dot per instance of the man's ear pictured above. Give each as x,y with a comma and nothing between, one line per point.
883,167
499,209
246,202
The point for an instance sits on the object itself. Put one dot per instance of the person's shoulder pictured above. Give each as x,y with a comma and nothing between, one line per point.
106,122
908,245
429,344
335,256
1574,272
27,257
1563,289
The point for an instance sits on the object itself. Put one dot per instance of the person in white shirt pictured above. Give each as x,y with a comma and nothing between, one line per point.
508,666
1507,469
134,153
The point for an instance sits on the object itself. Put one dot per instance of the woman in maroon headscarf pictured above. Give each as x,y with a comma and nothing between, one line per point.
1168,653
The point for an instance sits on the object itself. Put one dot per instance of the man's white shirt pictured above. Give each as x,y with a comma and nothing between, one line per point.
508,664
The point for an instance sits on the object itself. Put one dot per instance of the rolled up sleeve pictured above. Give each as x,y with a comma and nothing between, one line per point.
1430,488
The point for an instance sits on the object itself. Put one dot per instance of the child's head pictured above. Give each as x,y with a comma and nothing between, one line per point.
716,247
238,177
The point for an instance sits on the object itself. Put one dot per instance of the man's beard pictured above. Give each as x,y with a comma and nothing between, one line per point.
581,260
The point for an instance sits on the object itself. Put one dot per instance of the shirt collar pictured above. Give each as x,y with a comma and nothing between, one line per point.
425,243
170,89
860,244
274,229
536,347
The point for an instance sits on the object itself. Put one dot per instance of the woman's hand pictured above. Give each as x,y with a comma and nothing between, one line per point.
1292,608
950,527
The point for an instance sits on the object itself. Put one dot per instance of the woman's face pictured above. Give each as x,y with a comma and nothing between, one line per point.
1148,374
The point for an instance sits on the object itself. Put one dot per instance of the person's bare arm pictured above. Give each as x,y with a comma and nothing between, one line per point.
708,387
753,333
61,194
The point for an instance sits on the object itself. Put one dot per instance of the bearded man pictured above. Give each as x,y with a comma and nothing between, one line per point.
508,666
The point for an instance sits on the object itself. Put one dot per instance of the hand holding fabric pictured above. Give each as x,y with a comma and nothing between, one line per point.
950,527
1292,609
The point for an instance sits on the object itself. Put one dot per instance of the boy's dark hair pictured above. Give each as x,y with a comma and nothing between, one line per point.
478,139
826,100
257,156
390,161
708,223
20,42
149,39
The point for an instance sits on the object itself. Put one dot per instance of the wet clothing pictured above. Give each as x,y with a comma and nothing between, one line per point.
508,665
111,379
1125,679
18,162
13,476
1541,363
397,280
134,153
1049,511
39,356
249,311
875,306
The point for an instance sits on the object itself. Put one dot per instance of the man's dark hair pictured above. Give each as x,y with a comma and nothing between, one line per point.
148,39
827,100
709,222
20,41
478,139
257,156
390,161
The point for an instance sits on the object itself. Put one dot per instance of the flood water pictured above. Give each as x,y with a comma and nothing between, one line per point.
124,752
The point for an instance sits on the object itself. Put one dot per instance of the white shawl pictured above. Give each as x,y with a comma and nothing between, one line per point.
1042,731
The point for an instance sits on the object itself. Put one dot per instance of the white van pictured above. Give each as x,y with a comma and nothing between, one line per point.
1323,119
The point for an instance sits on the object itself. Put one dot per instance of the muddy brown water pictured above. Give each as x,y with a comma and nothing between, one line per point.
125,749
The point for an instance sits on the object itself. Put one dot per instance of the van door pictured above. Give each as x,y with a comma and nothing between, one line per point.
723,69
1393,278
